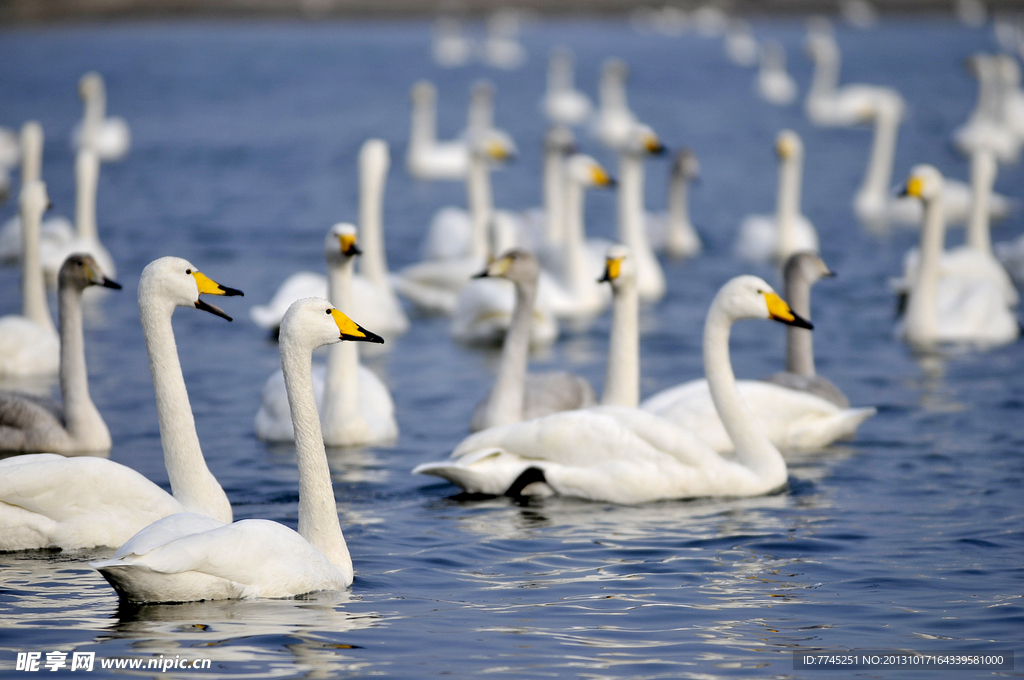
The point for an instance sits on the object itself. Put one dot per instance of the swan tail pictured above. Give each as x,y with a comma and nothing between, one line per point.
490,471
822,432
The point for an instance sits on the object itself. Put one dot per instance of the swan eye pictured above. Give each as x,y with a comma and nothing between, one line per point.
188,271
328,312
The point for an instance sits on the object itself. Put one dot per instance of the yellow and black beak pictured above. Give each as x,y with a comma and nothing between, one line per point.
208,286
96,279
602,178
110,283
497,267
349,248
913,187
612,267
654,146
352,331
500,152
780,311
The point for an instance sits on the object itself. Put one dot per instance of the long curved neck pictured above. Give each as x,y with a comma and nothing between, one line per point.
576,277
799,341
505,403
982,178
341,384
87,170
318,513
753,449
423,132
622,379
81,418
481,206
922,308
631,203
554,190
612,93
788,204
878,175
192,483
95,111
33,286
373,262
826,73
31,157
560,75
679,203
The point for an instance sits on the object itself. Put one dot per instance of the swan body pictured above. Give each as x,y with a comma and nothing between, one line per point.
373,297
773,83
109,137
355,406
948,308
563,104
427,158
625,455
762,238
672,231
49,501
517,396
26,425
29,344
188,557
829,105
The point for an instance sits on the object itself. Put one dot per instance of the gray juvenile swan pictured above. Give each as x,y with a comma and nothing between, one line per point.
29,424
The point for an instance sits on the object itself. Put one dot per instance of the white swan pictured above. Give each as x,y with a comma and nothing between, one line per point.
53,230
672,231
49,501
110,136
427,158
827,104
802,270
641,143
625,455
187,557
29,344
544,226
949,309
355,407
373,297
449,47
501,48
874,203
773,83
30,424
988,127
765,238
517,395
740,43
613,121
563,104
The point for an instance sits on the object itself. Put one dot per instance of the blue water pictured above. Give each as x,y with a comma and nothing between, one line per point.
245,138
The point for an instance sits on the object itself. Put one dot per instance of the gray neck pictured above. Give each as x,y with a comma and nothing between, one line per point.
505,403
622,380
826,74
424,124
81,419
799,341
679,202
982,179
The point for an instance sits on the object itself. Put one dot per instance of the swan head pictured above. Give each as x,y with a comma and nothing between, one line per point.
80,271
788,145
686,165
925,182
615,71
340,243
31,139
177,282
90,86
1009,70
374,153
587,172
821,44
493,146
750,297
423,92
560,139
33,199
314,322
644,140
517,265
806,266
619,267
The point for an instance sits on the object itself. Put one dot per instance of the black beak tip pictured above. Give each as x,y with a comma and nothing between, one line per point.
480,275
213,309
367,336
231,292
110,283
612,183
354,250
800,322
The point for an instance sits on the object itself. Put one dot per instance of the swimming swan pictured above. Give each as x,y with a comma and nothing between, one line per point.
427,158
517,395
773,83
355,407
764,238
641,142
563,104
625,455
827,104
187,557
109,137
49,501
29,424
672,231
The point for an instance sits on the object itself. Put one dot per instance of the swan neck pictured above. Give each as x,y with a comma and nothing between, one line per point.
631,204
318,511
826,74
622,380
373,262
423,132
481,207
922,308
341,384
982,179
33,285
799,341
505,403
31,158
576,274
679,202
788,204
878,176
87,167
753,449
554,190
81,419
192,483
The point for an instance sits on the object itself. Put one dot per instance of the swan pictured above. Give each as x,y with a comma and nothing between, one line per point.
774,238
827,104
626,455
109,137
427,158
987,128
517,395
948,308
802,270
30,424
613,122
672,231
878,209
740,43
773,83
563,104
29,344
641,142
449,47
501,48
373,297
52,230
187,557
49,501
544,227
355,407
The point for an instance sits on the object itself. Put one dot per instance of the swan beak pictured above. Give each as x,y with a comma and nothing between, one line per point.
497,267
601,177
913,187
110,283
500,152
780,311
352,331
348,245
654,146
612,267
210,287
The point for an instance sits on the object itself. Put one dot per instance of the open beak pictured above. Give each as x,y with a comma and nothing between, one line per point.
208,286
